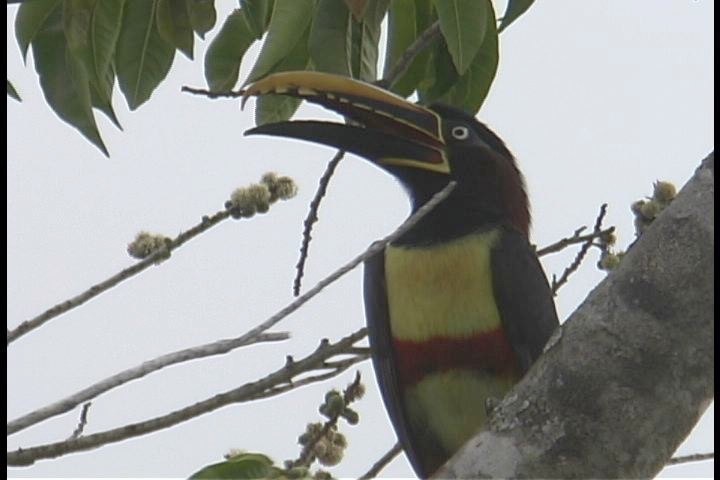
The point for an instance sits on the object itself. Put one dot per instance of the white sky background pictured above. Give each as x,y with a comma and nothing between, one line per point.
597,99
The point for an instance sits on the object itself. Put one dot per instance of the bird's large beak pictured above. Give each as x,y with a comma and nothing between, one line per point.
386,129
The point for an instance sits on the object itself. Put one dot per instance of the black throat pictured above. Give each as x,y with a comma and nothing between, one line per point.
466,210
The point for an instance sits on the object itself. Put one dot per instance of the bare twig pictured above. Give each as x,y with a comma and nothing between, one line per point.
226,345
382,462
212,95
244,393
201,351
575,239
337,368
597,230
312,217
698,457
105,285
372,250
82,422
307,455
421,43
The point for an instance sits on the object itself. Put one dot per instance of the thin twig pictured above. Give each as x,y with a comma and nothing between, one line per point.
307,454
312,217
213,95
374,249
382,462
105,285
597,229
698,457
575,239
414,49
421,43
244,393
337,368
82,422
201,351
359,351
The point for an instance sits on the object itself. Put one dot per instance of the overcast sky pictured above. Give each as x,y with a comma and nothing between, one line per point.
597,99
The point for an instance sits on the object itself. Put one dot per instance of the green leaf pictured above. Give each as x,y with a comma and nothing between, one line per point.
101,96
173,23
104,32
275,108
202,16
402,31
30,18
328,36
463,24
288,23
91,29
407,19
514,9
364,39
440,74
278,108
12,93
77,18
142,57
225,53
77,15
257,14
64,80
471,89
243,466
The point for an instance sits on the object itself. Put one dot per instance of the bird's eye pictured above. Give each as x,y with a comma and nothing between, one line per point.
460,133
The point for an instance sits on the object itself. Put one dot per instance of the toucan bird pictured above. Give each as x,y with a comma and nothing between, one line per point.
458,308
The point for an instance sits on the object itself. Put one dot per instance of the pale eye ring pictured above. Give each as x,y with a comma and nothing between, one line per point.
460,133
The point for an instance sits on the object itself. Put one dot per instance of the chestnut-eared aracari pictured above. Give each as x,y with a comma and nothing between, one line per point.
458,308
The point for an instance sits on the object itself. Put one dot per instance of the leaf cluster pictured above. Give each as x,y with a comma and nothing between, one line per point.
81,48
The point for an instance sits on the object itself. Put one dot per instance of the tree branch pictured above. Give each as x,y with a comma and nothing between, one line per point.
576,238
82,422
155,258
597,230
382,462
201,351
698,457
222,346
244,393
632,370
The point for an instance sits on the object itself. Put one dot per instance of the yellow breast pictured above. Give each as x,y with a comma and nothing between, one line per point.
442,290
450,406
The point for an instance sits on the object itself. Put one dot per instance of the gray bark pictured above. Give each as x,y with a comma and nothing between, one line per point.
625,379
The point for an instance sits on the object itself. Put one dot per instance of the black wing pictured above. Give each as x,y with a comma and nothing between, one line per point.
380,336
523,297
